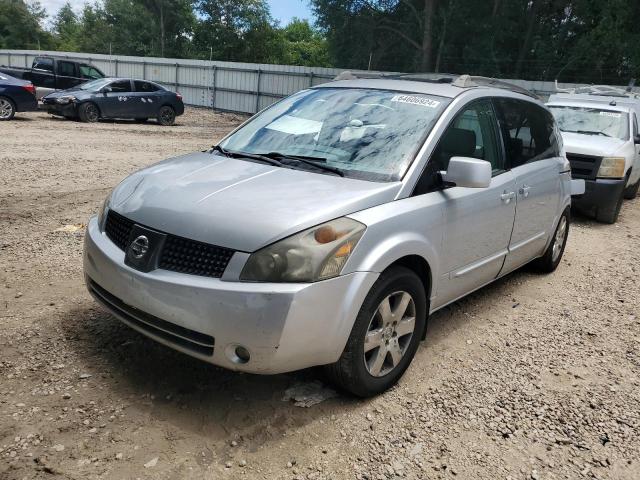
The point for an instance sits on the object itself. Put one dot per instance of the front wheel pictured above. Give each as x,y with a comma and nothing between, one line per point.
631,192
7,109
88,112
385,335
553,254
166,116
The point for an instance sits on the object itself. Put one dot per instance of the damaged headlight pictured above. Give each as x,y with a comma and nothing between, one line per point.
311,255
66,99
612,167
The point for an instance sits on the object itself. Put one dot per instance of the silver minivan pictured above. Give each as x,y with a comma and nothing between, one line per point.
326,229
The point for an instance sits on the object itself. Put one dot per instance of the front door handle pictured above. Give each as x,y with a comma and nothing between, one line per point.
506,197
524,190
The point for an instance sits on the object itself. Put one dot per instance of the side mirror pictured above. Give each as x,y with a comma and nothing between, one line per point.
106,90
468,172
636,139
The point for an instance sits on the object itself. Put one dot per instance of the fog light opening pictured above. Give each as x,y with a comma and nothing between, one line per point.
242,354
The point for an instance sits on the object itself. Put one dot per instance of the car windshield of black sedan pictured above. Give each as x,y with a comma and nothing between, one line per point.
368,134
94,85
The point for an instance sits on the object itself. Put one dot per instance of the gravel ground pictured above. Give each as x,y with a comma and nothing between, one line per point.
533,377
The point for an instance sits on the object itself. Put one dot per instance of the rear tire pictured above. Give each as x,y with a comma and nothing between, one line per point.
88,112
631,191
553,254
166,116
7,108
392,320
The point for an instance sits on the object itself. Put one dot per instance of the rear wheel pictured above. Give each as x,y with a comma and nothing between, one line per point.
88,112
7,108
166,116
385,335
553,254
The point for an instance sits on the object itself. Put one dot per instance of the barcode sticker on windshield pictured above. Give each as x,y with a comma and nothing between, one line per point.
611,114
423,102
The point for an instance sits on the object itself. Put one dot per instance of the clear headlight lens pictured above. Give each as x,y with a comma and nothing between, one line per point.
612,167
66,99
102,213
311,255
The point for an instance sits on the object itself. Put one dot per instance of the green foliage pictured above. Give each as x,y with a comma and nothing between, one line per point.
571,40
21,25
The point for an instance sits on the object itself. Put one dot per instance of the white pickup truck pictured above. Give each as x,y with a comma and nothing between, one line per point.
602,143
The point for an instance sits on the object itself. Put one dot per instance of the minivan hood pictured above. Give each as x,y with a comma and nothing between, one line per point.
239,204
596,145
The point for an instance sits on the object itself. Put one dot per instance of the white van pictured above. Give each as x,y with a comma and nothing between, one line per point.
602,143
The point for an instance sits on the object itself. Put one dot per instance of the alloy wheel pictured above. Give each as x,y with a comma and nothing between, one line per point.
389,333
6,109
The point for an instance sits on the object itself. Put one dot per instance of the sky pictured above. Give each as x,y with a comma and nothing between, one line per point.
282,10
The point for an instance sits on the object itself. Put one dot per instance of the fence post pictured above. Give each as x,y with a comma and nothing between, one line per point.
116,68
310,79
8,59
26,59
258,91
213,89
144,70
176,82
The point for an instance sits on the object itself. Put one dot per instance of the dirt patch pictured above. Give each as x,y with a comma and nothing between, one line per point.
532,377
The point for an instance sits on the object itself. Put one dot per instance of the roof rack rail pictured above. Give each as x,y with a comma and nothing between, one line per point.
461,81
469,81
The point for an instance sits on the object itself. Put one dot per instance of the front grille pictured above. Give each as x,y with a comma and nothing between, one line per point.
179,254
118,229
584,166
197,342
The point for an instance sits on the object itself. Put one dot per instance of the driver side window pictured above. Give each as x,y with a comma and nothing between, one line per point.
473,133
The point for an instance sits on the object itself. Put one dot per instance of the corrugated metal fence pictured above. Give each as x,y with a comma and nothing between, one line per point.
229,86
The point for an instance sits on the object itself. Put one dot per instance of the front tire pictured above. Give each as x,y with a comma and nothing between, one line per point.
88,112
385,335
7,109
166,116
631,191
553,254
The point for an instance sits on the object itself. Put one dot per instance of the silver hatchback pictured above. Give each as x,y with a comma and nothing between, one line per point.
327,228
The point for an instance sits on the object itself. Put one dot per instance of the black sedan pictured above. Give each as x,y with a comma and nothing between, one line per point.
16,95
116,98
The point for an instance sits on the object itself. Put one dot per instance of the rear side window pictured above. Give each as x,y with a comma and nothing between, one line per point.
145,86
121,86
43,64
529,132
66,69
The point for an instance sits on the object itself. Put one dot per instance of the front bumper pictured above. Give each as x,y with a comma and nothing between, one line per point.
600,196
61,109
284,327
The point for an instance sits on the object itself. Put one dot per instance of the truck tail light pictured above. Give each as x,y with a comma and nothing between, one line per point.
179,96
30,88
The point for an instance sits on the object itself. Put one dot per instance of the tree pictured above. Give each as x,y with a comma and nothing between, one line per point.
21,25
66,29
303,45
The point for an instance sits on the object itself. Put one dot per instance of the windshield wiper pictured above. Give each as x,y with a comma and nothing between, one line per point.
316,162
587,132
252,156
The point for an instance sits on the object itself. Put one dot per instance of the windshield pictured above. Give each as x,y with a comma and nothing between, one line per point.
94,85
592,121
368,134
